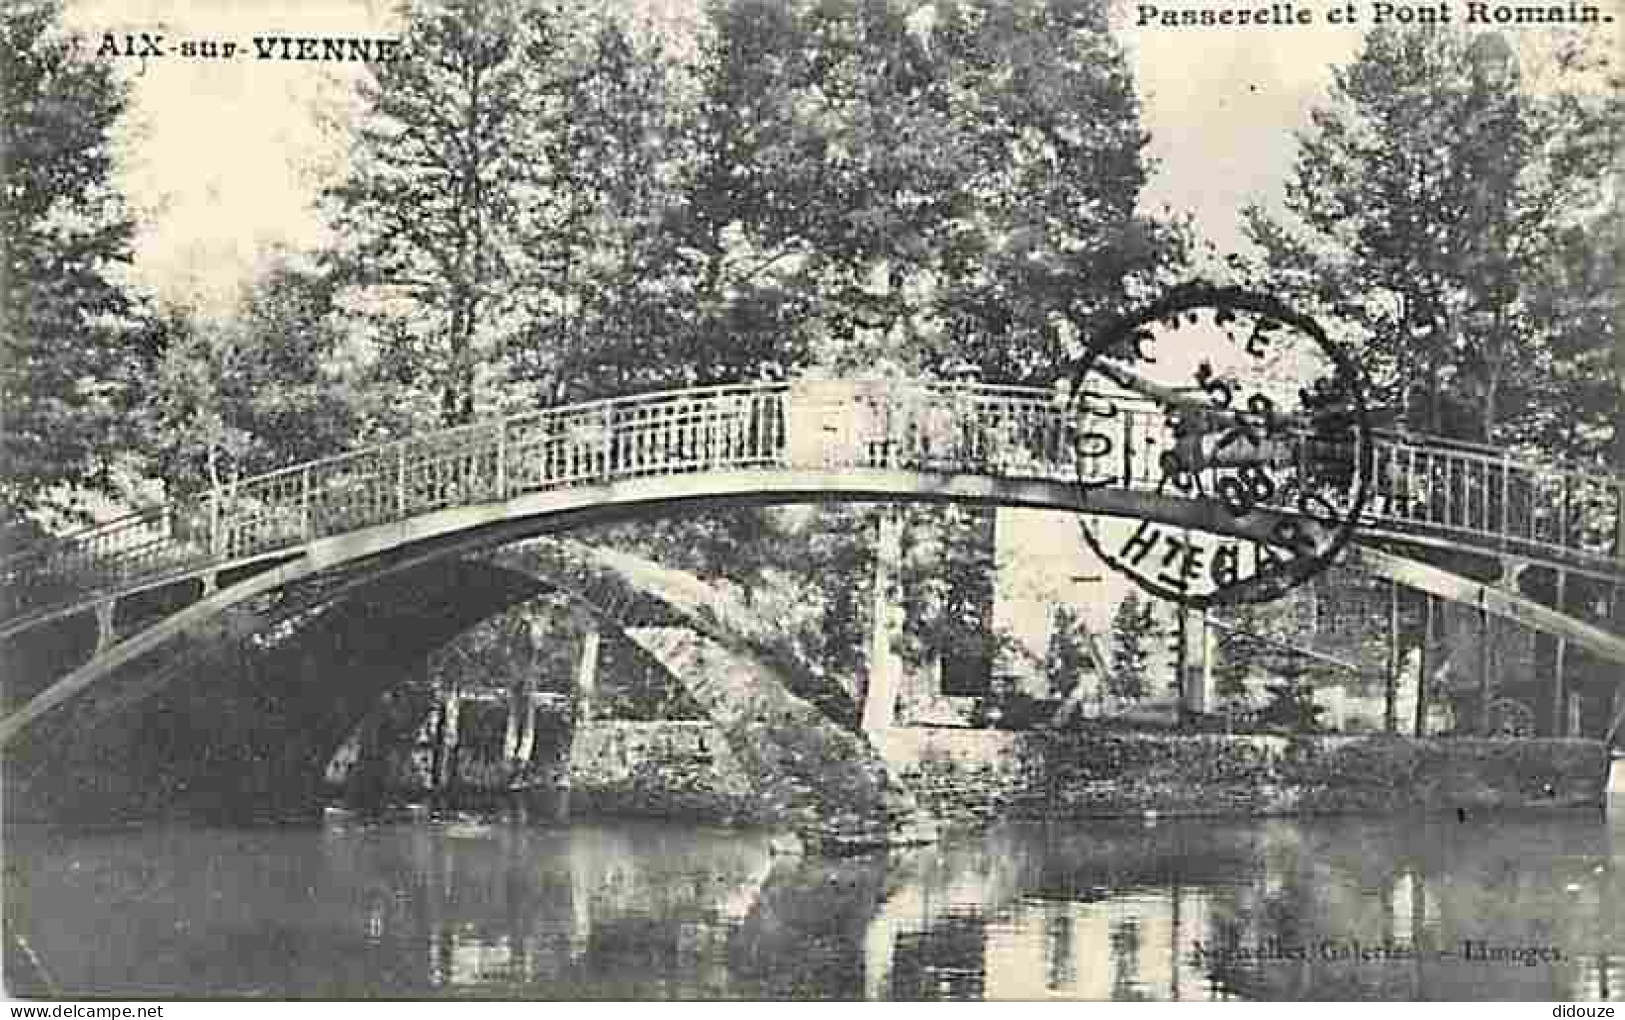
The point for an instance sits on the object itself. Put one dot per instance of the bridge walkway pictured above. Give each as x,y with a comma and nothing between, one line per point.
780,442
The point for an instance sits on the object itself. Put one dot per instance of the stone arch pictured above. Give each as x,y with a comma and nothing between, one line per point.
820,775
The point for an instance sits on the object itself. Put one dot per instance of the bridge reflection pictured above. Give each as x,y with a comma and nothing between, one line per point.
643,910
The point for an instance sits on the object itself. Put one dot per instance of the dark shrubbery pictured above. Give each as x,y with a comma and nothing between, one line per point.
1291,708
1103,771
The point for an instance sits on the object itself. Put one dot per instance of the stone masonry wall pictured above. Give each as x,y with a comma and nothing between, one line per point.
659,768
970,776
966,775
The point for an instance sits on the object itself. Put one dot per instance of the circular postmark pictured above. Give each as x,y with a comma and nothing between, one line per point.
1230,434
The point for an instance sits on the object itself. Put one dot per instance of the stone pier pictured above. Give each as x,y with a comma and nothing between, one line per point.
826,782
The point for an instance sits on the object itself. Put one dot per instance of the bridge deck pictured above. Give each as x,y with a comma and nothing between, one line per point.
1424,488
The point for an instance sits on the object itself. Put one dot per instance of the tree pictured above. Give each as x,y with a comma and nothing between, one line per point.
1252,644
1230,678
1273,641
949,571
438,213
260,389
69,353
1435,200
1134,632
845,181
1576,403
939,180
1041,204
1291,703
1067,656
612,307
736,297
832,559
921,188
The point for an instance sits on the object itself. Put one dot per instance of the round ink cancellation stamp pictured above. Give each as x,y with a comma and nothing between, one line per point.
1242,429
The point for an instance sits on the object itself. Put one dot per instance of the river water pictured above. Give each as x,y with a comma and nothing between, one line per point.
1404,908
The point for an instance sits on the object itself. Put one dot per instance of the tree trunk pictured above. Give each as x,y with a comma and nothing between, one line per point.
452,395
885,667
514,733
1489,413
1435,419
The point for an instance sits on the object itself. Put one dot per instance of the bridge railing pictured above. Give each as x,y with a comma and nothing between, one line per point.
1509,503
1416,485
655,434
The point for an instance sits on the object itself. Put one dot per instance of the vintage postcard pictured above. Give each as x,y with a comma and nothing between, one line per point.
812,499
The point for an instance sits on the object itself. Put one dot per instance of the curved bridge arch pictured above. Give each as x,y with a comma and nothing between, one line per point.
282,711
1423,489
473,529
488,484
733,664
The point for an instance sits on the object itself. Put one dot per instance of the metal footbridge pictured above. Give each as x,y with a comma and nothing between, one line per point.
151,574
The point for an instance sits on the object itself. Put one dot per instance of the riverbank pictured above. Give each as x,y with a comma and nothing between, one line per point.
969,777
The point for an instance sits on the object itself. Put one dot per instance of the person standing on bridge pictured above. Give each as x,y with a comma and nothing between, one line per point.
767,413
1062,441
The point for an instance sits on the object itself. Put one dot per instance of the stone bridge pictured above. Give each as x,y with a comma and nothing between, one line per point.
148,740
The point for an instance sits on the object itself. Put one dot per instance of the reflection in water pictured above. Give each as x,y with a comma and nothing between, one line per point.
1347,908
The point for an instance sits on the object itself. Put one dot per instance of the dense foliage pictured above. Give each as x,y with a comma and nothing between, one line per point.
1135,630
70,358
1453,209
255,390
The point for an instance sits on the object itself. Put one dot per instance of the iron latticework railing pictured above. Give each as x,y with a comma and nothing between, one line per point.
1467,495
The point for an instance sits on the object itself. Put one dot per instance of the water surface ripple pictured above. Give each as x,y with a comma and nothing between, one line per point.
1406,908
